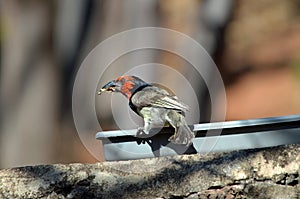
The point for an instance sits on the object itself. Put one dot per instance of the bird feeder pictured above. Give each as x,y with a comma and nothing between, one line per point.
210,137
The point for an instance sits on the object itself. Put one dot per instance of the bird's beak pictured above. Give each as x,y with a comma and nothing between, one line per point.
109,87
101,91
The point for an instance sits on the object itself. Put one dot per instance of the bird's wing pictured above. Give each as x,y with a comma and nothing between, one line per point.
157,97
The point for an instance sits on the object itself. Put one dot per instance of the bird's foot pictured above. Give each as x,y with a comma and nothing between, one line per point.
171,139
180,140
141,132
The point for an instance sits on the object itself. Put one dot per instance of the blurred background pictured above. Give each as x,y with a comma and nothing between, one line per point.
255,44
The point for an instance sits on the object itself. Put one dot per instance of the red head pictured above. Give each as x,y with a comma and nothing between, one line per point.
126,85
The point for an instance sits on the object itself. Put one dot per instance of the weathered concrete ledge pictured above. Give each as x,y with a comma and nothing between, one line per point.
260,173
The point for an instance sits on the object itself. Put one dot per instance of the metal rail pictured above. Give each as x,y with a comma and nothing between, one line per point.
210,137
218,128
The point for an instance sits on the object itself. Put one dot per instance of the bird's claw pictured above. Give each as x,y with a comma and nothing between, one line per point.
176,140
171,138
140,141
141,133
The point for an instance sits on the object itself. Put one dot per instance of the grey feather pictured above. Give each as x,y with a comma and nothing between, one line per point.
157,97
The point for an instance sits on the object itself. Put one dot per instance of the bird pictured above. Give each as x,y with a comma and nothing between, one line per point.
155,105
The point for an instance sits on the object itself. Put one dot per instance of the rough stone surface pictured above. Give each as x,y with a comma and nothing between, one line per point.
260,173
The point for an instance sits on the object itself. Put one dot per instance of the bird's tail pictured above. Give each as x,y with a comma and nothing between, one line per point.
183,135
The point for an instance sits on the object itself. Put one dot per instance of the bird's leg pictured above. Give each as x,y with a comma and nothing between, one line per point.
173,122
146,129
172,138
182,134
